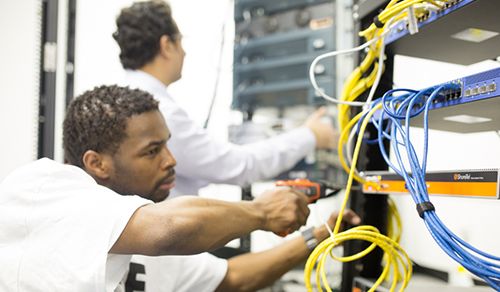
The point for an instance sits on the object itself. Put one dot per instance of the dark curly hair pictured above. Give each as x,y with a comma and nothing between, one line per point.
97,120
139,29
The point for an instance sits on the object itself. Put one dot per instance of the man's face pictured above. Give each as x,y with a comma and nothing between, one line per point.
178,57
143,165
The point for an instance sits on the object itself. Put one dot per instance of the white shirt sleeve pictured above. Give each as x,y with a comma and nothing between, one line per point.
199,156
201,272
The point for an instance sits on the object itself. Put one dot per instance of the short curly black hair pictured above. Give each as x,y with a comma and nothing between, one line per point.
97,120
139,29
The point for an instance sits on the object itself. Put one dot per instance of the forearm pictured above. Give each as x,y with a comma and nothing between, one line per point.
253,271
200,224
187,225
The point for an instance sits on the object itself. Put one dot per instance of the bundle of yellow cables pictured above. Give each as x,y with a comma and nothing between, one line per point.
356,84
398,266
396,257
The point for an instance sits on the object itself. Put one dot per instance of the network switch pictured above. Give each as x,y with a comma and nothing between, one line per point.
274,47
472,105
245,9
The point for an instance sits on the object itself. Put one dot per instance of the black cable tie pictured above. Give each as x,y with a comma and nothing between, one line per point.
377,22
424,207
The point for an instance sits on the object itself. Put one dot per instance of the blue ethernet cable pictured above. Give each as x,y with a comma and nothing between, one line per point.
402,108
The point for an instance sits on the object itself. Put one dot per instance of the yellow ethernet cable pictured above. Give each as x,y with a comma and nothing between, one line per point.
397,264
394,227
344,135
355,85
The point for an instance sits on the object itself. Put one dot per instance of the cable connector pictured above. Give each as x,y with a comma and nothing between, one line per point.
412,20
424,207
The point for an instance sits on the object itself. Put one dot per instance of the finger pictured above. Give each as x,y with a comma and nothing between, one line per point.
304,199
333,218
304,209
351,217
295,227
319,112
285,232
302,217
300,214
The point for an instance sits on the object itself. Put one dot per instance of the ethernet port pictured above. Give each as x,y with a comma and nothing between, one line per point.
492,87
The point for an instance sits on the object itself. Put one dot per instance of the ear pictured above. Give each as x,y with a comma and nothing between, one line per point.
97,165
166,46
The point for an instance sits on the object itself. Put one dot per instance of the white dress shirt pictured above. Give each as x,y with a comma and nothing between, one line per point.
201,160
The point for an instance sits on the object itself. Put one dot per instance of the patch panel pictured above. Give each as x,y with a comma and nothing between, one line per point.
465,32
401,30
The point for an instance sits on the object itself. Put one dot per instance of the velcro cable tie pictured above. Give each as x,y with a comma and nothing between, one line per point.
377,22
424,207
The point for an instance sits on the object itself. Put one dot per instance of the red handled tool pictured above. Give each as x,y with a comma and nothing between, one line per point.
314,190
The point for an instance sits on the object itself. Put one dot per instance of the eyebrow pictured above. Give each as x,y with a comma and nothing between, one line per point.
157,143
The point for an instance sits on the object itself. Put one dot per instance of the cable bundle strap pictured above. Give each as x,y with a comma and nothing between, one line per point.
424,207
377,22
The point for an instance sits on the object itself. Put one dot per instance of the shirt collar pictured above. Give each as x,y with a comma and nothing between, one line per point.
142,79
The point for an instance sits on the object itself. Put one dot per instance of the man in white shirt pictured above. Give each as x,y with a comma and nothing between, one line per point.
119,138
152,54
73,227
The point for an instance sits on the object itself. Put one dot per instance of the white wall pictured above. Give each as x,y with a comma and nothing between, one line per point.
19,66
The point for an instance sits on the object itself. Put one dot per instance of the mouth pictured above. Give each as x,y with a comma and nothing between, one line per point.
168,183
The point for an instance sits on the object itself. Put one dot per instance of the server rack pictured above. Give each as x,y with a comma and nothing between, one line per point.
437,32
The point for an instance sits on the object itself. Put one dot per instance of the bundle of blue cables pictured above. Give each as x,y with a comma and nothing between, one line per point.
399,106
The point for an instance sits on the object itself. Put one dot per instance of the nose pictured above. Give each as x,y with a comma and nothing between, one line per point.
168,160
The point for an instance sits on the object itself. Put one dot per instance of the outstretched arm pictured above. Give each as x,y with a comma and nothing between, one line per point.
253,271
202,157
190,225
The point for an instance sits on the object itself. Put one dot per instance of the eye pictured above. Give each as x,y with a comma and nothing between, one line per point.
153,152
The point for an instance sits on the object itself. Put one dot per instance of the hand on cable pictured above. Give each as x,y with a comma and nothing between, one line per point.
349,218
326,136
285,210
